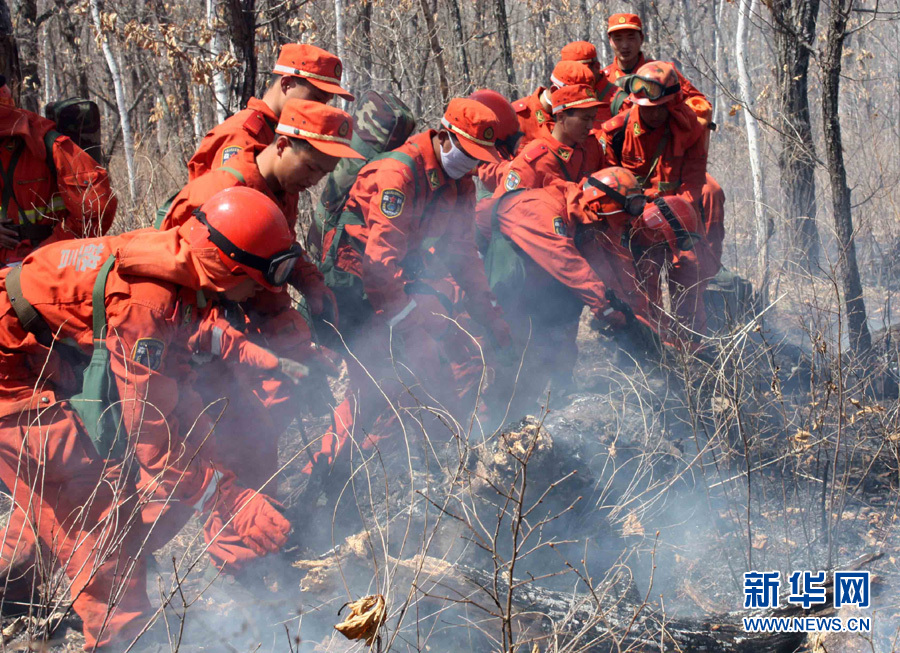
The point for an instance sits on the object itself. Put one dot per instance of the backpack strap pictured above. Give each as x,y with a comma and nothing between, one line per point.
660,149
234,173
7,178
32,321
163,210
98,297
50,139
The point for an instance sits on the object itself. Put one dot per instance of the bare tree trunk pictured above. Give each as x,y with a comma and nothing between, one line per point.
9,53
851,285
340,40
436,50
795,27
365,21
512,89
70,32
461,40
217,45
241,15
585,14
121,102
747,7
27,41
719,98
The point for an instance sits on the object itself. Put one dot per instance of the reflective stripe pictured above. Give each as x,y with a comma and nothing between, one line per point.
288,130
216,345
287,70
32,214
210,490
457,130
399,317
563,107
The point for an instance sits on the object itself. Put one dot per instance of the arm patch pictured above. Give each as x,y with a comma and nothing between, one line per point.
149,352
392,202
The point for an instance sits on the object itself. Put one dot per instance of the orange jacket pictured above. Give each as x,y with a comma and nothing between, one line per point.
403,229
75,199
255,125
196,192
492,174
534,120
671,160
546,160
543,223
151,312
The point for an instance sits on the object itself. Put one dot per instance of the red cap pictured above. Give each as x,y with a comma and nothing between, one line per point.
619,22
579,52
475,127
571,73
327,128
317,66
580,96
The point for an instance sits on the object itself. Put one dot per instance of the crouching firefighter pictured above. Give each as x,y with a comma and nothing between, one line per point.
99,412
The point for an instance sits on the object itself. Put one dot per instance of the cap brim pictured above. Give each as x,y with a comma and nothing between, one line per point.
335,149
619,28
480,152
582,105
334,89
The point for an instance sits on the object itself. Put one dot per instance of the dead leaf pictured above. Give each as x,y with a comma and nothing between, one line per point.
366,617
760,541
632,525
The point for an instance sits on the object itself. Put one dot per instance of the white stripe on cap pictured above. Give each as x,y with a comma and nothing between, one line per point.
289,130
569,105
457,130
287,70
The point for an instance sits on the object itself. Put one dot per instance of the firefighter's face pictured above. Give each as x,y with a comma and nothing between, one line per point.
626,45
296,88
654,116
246,289
301,166
577,123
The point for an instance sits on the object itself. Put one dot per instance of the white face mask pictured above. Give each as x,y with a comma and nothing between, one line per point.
457,163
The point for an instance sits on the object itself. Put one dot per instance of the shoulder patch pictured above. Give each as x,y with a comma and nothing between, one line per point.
229,152
149,352
540,116
565,153
637,129
534,152
392,202
433,179
512,180
520,106
255,123
559,226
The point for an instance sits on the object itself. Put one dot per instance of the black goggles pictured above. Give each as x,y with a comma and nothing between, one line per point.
632,204
276,269
648,88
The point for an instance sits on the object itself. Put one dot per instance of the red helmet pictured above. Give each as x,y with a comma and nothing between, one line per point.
670,220
507,133
653,84
614,190
251,234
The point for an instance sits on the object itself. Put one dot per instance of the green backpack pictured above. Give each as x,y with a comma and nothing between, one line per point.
381,123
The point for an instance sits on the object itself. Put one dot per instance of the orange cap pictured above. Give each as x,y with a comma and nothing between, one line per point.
579,52
580,96
327,128
317,66
624,21
475,127
571,73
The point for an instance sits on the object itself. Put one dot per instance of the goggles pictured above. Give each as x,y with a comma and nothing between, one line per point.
648,88
632,204
276,269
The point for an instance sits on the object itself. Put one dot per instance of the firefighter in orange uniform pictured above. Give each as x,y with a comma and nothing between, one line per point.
661,141
310,140
585,53
303,72
400,260
626,38
568,153
78,497
47,196
544,301
536,111
508,137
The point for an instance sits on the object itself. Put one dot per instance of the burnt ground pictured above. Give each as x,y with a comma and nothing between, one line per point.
628,511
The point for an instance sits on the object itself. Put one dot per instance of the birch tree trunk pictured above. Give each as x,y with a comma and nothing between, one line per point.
461,44
746,8
851,284
217,45
339,37
121,102
719,99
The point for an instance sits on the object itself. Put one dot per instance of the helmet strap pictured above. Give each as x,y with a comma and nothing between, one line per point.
684,239
232,251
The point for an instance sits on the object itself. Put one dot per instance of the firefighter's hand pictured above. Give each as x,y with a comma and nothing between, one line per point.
9,238
293,370
255,517
612,319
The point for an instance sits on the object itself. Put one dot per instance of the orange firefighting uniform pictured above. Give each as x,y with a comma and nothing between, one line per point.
46,457
417,227
546,160
543,312
670,160
72,201
534,120
255,125
262,404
